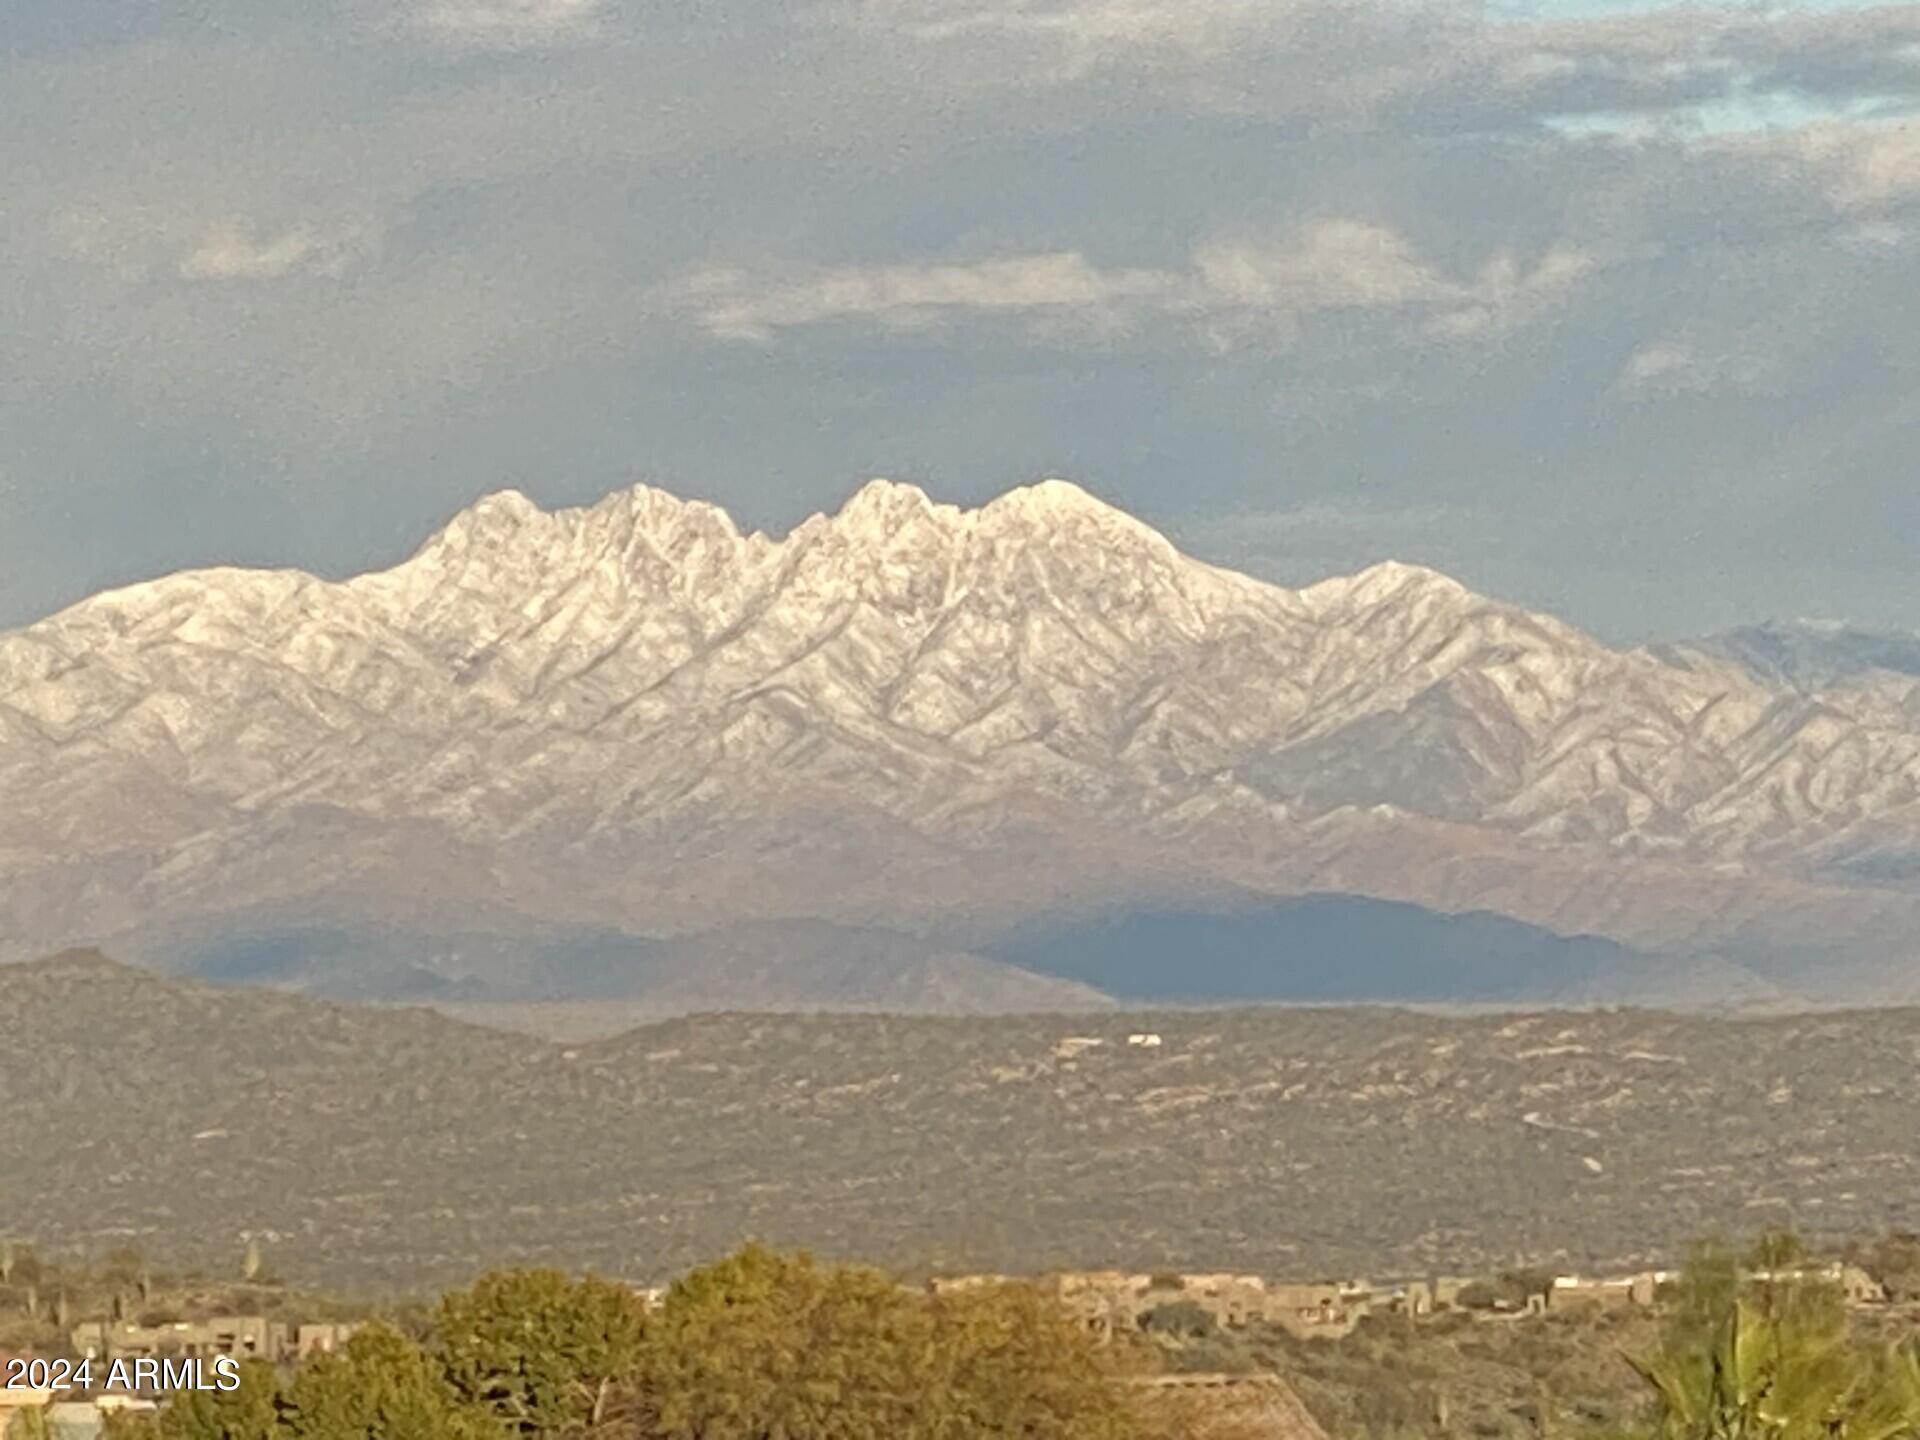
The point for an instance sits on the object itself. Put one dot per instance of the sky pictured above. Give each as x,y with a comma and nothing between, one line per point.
1606,308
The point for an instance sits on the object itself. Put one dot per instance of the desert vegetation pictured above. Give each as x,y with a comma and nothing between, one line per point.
759,1345
395,1148
774,1345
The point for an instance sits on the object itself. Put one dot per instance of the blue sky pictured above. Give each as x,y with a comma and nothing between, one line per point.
1608,308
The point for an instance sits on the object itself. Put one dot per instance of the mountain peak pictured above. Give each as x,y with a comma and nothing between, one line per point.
1042,502
1055,507
1398,574
883,505
1054,497
655,508
1388,580
507,509
490,522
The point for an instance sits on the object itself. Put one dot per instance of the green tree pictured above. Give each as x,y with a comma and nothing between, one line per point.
1182,1319
543,1351
764,1344
770,1346
1014,1362
249,1412
381,1386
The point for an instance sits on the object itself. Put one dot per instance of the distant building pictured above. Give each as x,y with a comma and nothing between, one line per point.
1447,1290
1329,1308
1113,1302
1118,1300
320,1339
1856,1286
1573,1292
1109,1300
1859,1287
1232,1300
244,1337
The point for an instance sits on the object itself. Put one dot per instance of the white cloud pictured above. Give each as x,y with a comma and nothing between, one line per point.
1336,264
733,304
1865,167
508,24
1736,366
1658,365
1229,292
1444,64
234,250
1348,265
1084,24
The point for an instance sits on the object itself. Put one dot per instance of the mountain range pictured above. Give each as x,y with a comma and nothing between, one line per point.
626,751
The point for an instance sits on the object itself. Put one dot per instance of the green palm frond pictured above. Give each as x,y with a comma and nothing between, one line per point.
1781,1373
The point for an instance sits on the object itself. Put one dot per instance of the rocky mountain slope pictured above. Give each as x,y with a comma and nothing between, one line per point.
927,720
399,1147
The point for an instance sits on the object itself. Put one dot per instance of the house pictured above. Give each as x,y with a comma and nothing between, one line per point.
1111,1301
1573,1292
1232,1300
242,1336
1330,1308
320,1339
1414,1299
1447,1290
245,1337
1858,1287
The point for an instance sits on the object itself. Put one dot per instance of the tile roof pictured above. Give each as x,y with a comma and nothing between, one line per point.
1259,1406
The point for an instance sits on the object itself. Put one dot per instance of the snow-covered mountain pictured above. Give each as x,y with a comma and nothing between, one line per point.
935,720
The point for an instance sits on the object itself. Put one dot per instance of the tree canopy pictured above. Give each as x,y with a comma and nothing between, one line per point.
762,1345
541,1350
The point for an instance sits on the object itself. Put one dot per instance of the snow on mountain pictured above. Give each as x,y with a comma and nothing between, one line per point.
633,715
